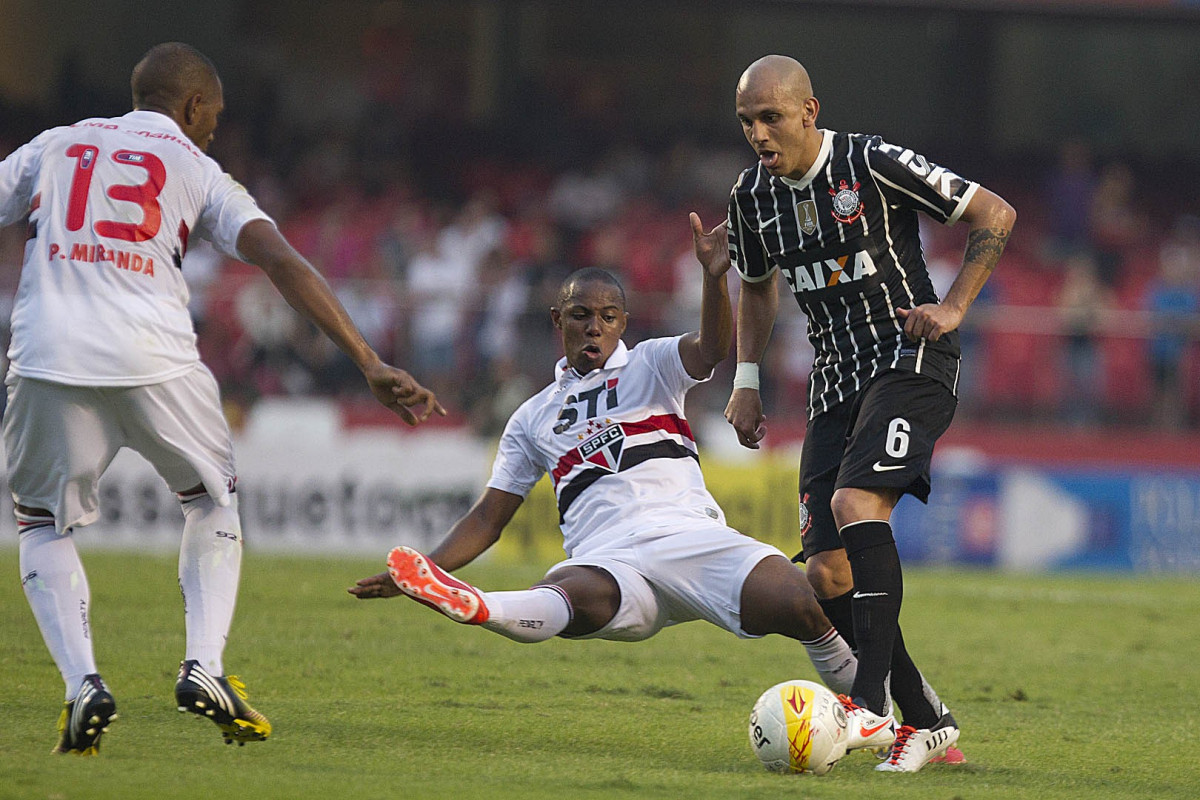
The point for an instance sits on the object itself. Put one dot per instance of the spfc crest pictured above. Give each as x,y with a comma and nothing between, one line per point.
847,206
806,213
604,449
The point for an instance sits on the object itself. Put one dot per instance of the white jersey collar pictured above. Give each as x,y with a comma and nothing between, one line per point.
153,119
619,358
822,157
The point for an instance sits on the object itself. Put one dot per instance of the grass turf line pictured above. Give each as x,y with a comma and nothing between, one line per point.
1065,687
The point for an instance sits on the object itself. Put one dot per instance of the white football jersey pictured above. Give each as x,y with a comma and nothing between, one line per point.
113,202
616,445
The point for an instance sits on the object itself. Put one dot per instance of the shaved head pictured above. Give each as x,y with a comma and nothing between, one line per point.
784,72
778,113
588,275
169,74
178,80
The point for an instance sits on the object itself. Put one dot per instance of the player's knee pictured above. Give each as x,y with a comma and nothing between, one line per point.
776,598
845,505
854,505
829,573
594,594
30,520
795,614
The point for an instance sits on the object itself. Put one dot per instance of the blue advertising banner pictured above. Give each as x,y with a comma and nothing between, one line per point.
1055,519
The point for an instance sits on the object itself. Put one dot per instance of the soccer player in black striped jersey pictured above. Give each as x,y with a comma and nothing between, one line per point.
836,215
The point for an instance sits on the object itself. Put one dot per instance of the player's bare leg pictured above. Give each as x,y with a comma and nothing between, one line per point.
776,598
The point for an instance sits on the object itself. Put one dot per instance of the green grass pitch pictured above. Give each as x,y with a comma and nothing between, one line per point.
1066,687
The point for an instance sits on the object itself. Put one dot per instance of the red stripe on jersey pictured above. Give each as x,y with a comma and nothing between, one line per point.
669,423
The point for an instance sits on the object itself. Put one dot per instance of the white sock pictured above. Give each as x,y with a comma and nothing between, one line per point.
834,660
932,697
210,560
57,589
531,615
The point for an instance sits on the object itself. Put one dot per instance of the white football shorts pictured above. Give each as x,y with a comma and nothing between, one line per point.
668,576
60,439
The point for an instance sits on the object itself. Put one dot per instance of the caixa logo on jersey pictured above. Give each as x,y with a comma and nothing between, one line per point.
604,449
849,271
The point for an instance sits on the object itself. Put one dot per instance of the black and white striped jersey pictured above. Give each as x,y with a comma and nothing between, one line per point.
845,238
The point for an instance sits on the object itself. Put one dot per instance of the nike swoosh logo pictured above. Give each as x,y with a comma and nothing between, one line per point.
763,226
868,732
857,595
881,468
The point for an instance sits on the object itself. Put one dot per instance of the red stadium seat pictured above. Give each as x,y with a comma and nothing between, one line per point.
1127,384
1021,371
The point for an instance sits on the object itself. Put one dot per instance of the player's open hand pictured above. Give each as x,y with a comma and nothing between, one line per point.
744,413
401,393
712,248
380,585
929,321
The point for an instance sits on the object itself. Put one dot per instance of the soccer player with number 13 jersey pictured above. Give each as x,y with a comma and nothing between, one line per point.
103,356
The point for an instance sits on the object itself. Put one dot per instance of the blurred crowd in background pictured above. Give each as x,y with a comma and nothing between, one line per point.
448,241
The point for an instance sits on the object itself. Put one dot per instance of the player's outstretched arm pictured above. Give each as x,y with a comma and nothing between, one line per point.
758,304
705,349
475,532
991,220
261,243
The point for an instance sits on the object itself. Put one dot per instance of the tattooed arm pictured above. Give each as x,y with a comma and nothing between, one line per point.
991,220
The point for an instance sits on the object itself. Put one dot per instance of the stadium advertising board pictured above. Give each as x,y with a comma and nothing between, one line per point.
308,485
1040,518
305,485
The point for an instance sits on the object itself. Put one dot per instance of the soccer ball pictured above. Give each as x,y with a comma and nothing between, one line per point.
798,726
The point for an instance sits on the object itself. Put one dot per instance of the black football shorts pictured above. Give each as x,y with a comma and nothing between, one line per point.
881,438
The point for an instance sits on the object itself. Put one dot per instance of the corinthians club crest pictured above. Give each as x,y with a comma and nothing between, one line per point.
847,207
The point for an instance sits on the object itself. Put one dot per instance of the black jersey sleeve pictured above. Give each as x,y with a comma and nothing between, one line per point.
909,180
746,252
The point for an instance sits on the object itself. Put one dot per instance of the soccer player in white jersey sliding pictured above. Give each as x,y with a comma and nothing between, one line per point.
647,545
103,356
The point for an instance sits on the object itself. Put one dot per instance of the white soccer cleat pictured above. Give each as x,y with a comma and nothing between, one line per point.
867,729
916,747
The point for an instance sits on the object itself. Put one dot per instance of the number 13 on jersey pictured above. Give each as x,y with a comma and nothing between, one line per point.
144,195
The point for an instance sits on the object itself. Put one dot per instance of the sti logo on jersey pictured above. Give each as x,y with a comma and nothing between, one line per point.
829,272
604,449
590,399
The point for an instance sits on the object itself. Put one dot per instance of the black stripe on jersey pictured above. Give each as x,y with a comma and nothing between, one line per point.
633,456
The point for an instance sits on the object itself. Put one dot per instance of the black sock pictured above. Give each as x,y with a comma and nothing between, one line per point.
908,688
907,684
878,592
839,611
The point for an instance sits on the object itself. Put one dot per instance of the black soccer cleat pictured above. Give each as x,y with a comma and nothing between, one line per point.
85,718
221,699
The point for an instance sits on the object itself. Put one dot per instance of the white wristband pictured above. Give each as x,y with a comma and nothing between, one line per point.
745,376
